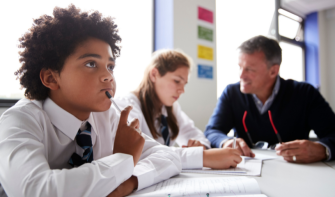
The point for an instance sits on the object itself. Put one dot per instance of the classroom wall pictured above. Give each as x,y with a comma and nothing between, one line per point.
199,99
326,20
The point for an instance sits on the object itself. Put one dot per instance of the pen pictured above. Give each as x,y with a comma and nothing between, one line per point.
234,143
117,107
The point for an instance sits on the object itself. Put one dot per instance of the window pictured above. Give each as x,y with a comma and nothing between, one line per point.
292,66
290,25
134,18
237,21
291,36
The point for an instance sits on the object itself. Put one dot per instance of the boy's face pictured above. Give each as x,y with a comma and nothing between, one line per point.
86,76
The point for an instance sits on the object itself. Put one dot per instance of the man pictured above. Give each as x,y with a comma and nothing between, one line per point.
262,104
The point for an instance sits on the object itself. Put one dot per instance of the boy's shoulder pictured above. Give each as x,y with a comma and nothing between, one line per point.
25,115
27,107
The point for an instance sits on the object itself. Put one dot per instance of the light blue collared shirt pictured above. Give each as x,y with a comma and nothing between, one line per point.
263,108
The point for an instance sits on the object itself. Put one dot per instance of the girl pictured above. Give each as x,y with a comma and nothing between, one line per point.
154,105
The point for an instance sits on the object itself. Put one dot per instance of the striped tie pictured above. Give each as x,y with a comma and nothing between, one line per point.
83,139
165,130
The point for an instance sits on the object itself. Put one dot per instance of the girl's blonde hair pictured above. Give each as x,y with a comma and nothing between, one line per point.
164,61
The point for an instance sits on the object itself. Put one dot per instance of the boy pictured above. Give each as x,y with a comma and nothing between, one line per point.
64,139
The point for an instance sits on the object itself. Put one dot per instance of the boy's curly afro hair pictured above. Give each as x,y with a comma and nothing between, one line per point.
52,39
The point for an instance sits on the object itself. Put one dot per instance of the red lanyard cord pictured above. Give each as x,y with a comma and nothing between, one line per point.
244,116
246,129
274,128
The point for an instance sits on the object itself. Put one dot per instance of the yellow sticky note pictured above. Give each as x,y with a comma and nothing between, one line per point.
205,52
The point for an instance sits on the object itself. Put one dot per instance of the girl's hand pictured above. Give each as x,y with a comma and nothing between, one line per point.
218,158
193,143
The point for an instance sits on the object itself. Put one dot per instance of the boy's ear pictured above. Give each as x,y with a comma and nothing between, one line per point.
48,78
154,74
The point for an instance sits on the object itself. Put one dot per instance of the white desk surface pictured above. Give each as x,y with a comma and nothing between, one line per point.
280,178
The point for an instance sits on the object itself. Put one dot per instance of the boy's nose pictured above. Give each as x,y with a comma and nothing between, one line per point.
107,77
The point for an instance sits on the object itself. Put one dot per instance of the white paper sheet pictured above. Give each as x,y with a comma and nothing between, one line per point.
252,167
262,157
200,187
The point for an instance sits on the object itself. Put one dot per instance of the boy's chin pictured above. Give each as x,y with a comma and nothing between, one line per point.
101,108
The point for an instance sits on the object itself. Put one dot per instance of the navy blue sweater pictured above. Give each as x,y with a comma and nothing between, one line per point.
297,108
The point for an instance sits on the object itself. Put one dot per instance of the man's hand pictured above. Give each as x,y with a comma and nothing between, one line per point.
193,143
241,145
305,151
218,158
127,139
125,188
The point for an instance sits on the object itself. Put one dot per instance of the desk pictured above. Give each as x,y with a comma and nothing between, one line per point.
280,178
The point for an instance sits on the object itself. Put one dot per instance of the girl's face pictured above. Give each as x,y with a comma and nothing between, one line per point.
170,86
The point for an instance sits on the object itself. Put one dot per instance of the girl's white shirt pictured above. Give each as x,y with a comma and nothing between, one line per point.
190,157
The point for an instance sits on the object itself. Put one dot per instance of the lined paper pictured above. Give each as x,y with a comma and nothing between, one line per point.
199,187
252,167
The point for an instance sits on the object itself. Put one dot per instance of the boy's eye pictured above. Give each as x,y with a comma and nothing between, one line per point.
91,65
111,67
176,81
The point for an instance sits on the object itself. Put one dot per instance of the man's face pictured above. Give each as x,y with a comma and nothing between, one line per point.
254,73
86,76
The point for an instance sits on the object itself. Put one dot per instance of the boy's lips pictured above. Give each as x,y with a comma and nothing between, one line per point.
107,89
110,90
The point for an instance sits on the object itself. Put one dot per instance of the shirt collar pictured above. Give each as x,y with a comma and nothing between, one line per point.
63,120
277,86
163,112
274,91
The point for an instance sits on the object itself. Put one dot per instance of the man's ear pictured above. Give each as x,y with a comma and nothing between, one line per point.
154,74
48,78
274,70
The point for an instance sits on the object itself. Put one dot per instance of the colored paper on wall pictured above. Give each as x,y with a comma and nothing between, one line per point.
205,33
205,52
205,71
204,14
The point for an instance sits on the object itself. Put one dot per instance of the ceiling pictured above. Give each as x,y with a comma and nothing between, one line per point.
304,7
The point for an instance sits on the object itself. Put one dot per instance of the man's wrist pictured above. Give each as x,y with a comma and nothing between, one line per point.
322,151
326,150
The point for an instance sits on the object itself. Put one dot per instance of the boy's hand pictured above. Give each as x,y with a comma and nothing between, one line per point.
125,188
218,158
127,139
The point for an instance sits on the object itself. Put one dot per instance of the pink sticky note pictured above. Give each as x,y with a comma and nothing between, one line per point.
204,14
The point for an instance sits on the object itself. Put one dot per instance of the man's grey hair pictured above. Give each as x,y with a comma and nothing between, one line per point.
269,47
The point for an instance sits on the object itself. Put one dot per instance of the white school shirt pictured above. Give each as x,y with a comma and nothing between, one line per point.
37,138
190,157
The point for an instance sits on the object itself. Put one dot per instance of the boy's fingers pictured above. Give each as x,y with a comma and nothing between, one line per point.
124,115
135,123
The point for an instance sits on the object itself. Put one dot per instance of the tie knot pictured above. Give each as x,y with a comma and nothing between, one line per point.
163,119
165,130
86,128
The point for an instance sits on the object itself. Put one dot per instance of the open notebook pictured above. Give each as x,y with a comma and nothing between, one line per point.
248,167
202,187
